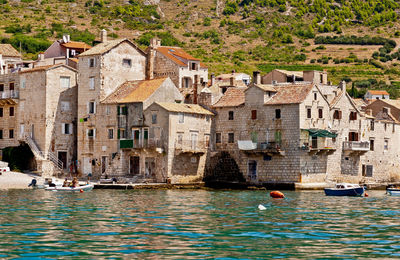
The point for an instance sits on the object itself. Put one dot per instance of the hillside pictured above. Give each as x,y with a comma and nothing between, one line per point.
354,40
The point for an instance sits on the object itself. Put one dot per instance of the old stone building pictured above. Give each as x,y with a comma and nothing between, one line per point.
285,76
47,116
10,59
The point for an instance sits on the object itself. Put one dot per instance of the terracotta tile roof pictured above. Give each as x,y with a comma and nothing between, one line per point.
393,102
184,108
74,59
104,47
337,98
266,87
233,97
378,92
9,50
76,45
134,91
290,94
176,54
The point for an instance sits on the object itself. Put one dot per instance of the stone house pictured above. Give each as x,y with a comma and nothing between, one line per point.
47,115
10,59
101,70
128,138
184,139
180,66
285,76
377,94
236,76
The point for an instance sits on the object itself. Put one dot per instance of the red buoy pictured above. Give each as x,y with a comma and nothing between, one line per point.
80,190
366,194
276,194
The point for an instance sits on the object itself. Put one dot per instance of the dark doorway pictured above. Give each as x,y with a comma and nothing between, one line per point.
134,165
62,156
252,169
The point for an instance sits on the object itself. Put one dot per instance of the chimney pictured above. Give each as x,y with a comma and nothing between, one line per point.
212,79
256,77
205,98
155,43
103,35
41,56
151,54
342,85
231,81
195,86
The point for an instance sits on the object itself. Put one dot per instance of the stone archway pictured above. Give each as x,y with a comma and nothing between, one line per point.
222,167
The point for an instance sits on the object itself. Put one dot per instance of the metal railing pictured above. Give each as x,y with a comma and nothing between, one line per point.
9,94
140,143
356,145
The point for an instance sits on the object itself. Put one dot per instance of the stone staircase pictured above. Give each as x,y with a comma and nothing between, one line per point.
48,163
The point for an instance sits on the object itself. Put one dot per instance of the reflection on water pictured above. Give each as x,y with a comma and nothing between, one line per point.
196,224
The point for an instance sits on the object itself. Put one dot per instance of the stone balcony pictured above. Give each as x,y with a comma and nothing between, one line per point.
8,97
356,147
191,146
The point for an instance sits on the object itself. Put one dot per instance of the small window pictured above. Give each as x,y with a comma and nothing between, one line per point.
66,129
154,118
320,113
11,111
371,144
108,110
253,114
277,113
308,112
193,66
1,87
217,138
65,106
386,145
369,170
91,83
1,134
315,95
110,133
92,62
230,115
91,133
384,126
23,83
127,63
372,125
353,115
92,107
1,112
181,118
11,86
64,82
337,114
11,133
231,138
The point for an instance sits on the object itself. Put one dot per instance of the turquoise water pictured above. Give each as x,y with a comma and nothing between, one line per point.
196,224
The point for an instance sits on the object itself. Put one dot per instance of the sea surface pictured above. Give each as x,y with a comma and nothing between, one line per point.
196,224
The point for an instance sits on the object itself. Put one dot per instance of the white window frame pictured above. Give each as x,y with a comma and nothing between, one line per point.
91,83
94,133
64,127
94,62
94,107
181,118
65,81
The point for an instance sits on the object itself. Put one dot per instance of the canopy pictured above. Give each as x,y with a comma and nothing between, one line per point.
320,133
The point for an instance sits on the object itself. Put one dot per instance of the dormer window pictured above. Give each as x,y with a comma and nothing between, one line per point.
193,66
127,63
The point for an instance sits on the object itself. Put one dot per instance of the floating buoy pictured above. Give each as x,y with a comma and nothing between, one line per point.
80,190
366,194
261,207
276,194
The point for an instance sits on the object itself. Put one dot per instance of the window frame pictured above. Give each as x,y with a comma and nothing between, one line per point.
231,138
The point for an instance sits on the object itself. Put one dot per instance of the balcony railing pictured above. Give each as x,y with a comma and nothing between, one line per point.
140,144
9,94
355,146
249,146
191,146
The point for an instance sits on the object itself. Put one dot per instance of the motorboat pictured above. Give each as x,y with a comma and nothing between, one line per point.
48,182
393,191
345,189
87,187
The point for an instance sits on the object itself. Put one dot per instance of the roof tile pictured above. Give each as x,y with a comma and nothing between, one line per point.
9,50
290,94
233,97
184,108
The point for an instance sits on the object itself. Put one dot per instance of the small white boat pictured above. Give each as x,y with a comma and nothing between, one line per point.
345,189
393,191
87,187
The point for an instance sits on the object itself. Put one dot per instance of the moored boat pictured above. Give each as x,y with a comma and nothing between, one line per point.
87,187
393,191
345,189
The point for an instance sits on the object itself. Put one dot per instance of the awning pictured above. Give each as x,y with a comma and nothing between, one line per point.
320,133
247,145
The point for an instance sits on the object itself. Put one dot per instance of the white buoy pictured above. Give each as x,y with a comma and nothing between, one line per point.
261,207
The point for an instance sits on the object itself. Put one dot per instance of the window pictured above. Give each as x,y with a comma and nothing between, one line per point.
180,138
230,115
253,114
11,86
64,106
91,133
23,83
91,83
277,113
154,118
384,126
217,138
92,107
369,171
353,115
386,145
371,144
92,62
108,110
181,118
11,133
231,138
66,129
1,87
353,136
320,113
337,114
110,133
308,112
1,134
372,125
11,111
64,82
193,66
127,63
315,95
1,112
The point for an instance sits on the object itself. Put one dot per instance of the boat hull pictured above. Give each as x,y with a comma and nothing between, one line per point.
344,192
393,192
88,187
